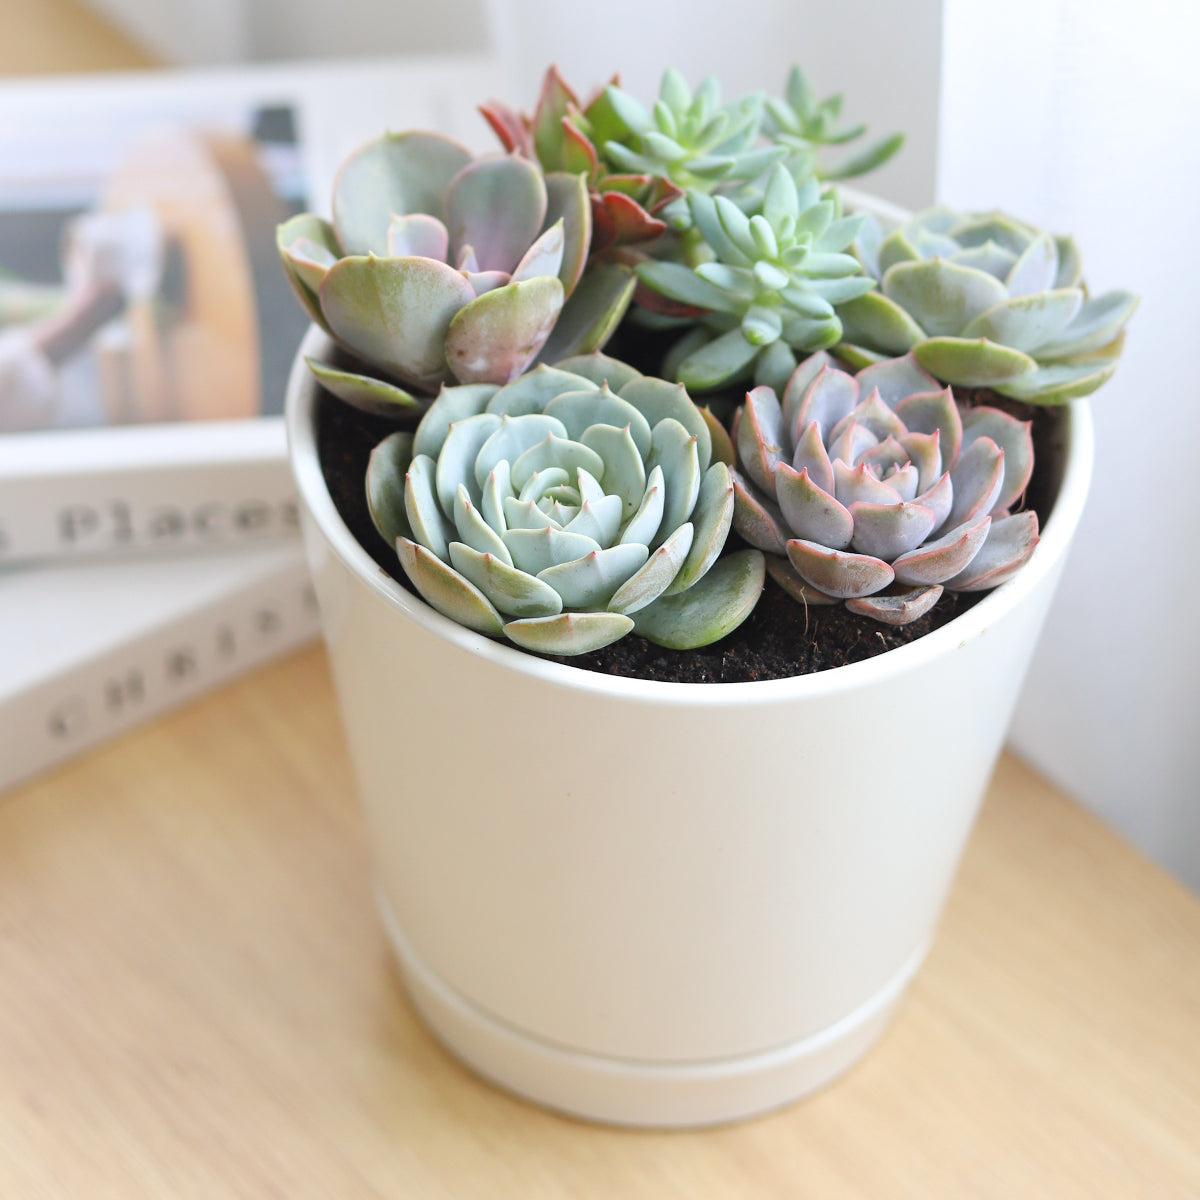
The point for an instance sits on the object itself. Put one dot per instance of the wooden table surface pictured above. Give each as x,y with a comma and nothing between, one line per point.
196,999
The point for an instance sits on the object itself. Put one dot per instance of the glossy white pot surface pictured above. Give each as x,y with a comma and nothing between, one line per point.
662,903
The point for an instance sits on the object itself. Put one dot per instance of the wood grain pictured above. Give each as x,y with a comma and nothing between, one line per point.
196,1000
41,37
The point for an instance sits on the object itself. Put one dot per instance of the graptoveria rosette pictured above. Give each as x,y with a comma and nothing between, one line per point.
440,267
983,300
566,509
877,490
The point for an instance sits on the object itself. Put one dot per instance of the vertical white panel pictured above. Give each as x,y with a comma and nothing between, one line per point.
1081,115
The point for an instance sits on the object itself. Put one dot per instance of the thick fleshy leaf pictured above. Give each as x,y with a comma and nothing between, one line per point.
456,461
924,455
760,437
838,572
533,391
974,362
589,582
624,472
936,561
448,591
989,257
495,337
599,406
811,456
452,404
543,482
1035,270
942,296
497,489
811,512
784,574
417,234
758,519
886,531
900,609
852,442
656,574
711,519
1059,383
555,452
679,282
1027,322
567,201
544,257
674,449
1010,542
593,312
647,520
569,633
710,609
512,438
430,525
978,477
656,399
386,469
395,312
1070,264
599,369
895,378
721,442
934,412
876,416
474,531
722,360
830,398
939,499
514,593
534,550
1095,325
1013,437
496,206
397,173
599,519
526,514
308,247
880,324
365,393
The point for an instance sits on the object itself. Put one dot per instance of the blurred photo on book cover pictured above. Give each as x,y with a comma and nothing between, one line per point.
138,274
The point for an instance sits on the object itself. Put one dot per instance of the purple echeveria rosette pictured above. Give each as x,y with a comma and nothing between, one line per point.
878,490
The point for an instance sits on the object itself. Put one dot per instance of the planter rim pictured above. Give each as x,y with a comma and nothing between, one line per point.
302,392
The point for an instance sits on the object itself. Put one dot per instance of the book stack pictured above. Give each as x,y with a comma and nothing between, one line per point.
149,538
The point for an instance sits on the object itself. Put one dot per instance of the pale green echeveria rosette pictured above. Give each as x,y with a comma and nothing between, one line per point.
803,124
565,510
439,267
983,300
771,290
876,490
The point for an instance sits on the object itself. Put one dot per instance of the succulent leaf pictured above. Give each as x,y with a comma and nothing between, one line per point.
709,610
363,392
386,470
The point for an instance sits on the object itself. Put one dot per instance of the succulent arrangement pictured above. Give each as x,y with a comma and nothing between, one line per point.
541,490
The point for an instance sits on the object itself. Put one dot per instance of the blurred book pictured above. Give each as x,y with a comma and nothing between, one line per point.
89,650
146,327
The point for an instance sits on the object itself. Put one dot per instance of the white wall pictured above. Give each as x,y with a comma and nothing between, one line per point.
1082,115
891,77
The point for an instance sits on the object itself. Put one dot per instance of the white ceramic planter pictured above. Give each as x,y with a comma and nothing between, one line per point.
654,903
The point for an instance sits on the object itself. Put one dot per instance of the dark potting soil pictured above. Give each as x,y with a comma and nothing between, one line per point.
779,639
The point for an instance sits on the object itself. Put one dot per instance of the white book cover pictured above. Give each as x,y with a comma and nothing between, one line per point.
146,326
90,649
